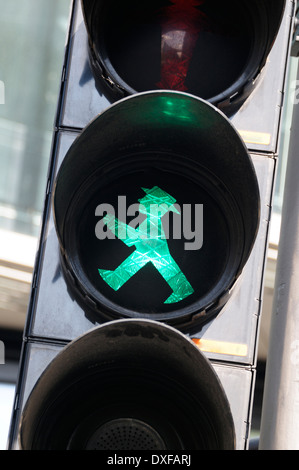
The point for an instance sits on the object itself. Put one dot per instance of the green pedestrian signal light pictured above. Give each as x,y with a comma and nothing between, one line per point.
151,247
147,175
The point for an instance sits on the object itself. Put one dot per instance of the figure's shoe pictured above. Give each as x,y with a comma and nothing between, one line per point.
111,278
180,294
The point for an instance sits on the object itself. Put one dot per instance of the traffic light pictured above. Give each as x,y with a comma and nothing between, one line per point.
143,320
121,389
211,49
156,153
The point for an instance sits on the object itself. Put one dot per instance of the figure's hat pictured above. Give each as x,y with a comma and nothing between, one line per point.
157,197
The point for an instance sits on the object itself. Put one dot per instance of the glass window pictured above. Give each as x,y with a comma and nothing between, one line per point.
32,37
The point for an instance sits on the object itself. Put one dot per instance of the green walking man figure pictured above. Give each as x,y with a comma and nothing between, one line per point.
151,246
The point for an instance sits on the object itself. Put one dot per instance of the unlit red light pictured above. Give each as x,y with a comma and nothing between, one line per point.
181,24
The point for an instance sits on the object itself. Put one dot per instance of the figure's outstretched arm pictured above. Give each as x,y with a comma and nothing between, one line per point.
124,232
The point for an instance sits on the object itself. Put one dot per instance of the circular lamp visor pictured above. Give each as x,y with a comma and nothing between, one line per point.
128,385
156,207
209,48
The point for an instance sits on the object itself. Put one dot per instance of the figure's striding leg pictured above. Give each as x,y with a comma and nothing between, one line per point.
127,269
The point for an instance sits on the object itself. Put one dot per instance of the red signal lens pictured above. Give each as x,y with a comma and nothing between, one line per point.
180,27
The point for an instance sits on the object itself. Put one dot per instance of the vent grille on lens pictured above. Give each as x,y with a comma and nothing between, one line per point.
125,434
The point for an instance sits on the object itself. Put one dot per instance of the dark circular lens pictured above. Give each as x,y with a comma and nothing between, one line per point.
213,49
128,385
183,45
180,256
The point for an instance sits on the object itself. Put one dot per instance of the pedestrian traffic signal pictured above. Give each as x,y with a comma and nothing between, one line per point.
157,153
123,390
144,315
215,50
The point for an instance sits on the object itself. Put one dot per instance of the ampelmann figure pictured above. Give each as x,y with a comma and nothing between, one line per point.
151,246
